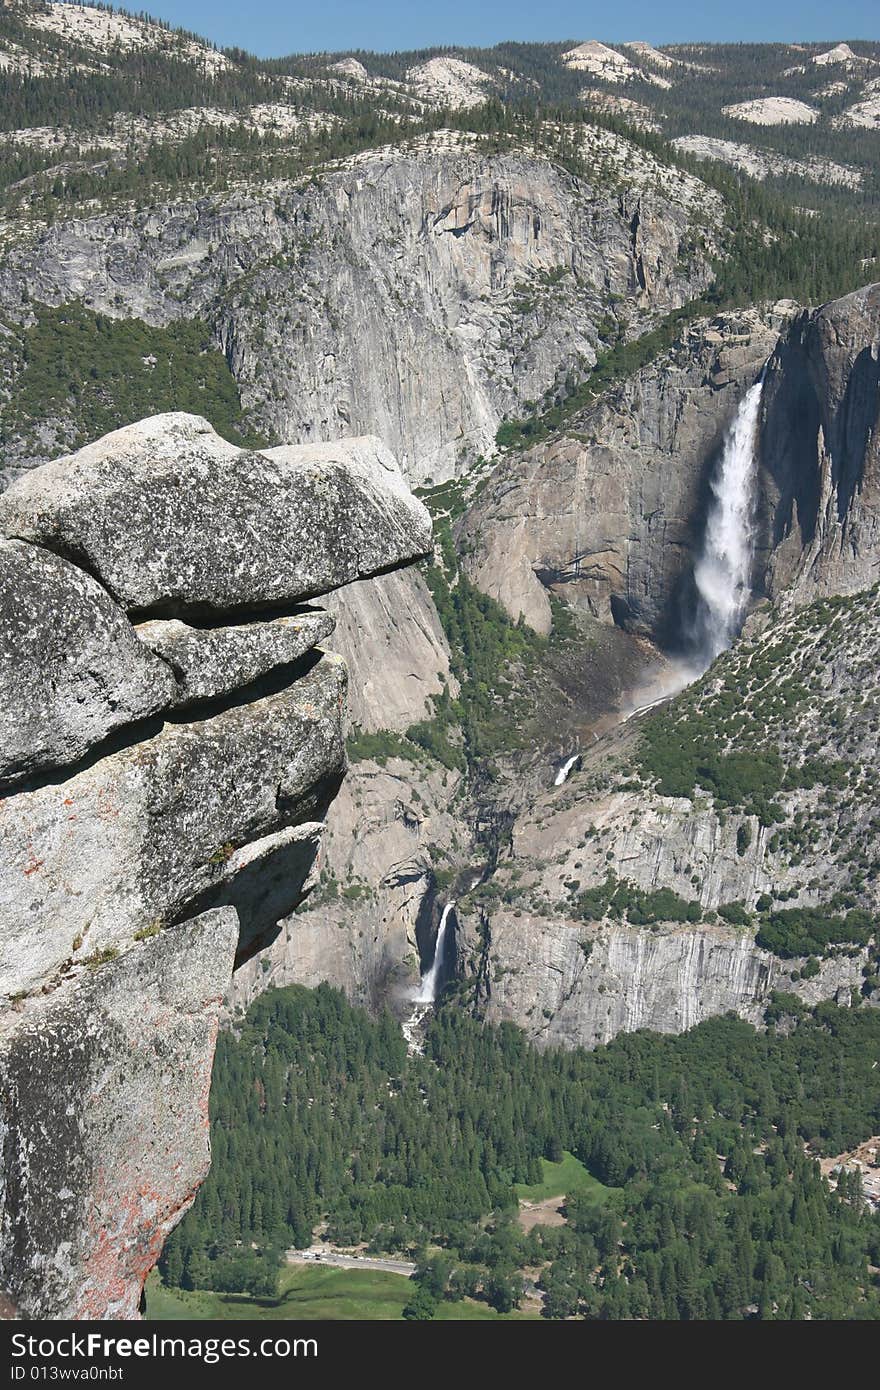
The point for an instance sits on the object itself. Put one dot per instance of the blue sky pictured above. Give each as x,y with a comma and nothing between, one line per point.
275,27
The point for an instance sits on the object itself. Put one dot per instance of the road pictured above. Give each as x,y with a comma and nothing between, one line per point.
326,1257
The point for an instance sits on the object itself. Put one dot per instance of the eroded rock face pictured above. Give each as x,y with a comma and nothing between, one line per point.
188,826
71,669
168,516
649,444
537,962
615,905
104,1117
820,444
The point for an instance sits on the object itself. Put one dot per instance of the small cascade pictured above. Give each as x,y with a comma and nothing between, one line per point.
412,1029
565,770
723,572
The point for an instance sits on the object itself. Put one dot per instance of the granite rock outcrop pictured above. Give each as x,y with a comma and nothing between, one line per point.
165,784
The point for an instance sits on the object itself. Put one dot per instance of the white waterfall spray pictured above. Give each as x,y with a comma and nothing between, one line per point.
428,987
563,772
723,572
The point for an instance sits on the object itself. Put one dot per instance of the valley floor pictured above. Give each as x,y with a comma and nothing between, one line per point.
312,1294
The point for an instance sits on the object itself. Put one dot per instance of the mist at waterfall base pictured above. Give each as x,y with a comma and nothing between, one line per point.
723,570
427,991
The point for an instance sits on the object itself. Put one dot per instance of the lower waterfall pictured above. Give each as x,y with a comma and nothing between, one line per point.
426,994
428,987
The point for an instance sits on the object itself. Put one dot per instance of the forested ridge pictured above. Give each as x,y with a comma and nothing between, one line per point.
784,238
708,1200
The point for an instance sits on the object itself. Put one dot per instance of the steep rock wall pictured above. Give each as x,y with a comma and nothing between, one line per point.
421,294
395,649
668,979
418,294
820,444
567,980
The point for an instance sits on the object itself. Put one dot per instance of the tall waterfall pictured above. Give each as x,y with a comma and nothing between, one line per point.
723,572
428,987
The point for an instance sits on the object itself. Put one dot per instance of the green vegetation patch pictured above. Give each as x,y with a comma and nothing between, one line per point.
620,898
497,662
95,374
303,1293
804,931
380,746
563,1179
682,754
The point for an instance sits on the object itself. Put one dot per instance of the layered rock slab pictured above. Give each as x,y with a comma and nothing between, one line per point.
212,661
130,841
71,668
169,517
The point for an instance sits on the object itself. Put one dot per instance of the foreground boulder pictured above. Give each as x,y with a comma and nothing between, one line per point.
162,795
170,517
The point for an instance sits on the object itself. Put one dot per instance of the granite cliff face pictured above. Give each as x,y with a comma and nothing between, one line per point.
419,294
607,515
395,649
820,445
173,745
666,980
164,788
